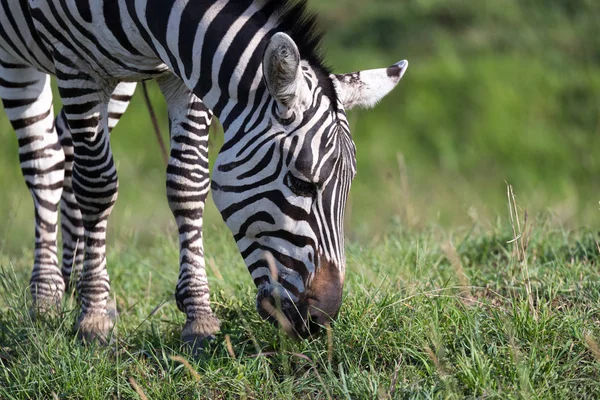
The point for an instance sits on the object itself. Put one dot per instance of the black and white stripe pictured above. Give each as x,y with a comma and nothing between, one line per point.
45,148
283,175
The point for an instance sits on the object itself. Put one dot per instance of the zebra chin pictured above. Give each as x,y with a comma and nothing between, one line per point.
304,315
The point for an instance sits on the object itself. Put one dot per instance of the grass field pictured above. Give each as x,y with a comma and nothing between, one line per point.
440,300
430,314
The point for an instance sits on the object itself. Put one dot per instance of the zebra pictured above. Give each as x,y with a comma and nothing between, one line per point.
45,149
283,174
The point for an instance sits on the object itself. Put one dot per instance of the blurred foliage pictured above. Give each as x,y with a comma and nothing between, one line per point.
496,91
503,90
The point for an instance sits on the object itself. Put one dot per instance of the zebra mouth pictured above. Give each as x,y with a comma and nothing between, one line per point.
292,317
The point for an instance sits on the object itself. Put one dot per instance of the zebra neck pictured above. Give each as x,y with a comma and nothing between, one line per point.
215,47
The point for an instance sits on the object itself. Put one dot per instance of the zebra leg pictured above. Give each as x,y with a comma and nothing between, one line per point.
71,222
188,184
95,185
70,219
27,100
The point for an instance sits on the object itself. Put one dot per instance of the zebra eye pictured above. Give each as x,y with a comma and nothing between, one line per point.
300,187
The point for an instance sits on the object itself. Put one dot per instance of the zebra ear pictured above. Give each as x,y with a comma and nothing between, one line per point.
282,72
366,88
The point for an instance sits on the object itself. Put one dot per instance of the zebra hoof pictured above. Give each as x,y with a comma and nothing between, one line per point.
95,327
197,333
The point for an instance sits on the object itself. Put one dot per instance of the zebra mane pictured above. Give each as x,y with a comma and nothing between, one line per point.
302,25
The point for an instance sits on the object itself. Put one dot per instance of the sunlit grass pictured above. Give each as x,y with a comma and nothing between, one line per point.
411,325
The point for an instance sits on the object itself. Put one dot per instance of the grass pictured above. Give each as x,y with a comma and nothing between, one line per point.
426,314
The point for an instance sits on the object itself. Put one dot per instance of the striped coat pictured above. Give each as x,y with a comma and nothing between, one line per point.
281,179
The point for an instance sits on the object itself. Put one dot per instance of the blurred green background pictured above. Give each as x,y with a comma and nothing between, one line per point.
497,91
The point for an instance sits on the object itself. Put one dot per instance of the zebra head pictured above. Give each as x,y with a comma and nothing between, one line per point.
281,182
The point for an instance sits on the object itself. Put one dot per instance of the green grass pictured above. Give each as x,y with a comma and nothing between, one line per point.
416,322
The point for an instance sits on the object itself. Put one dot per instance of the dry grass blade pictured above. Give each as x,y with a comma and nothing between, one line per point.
282,320
272,265
215,270
520,245
452,256
394,381
329,342
229,346
187,366
137,388
75,274
436,360
513,216
157,132
592,344
514,240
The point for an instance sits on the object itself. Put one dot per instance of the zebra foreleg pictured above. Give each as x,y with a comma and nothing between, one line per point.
188,183
27,100
95,186
71,222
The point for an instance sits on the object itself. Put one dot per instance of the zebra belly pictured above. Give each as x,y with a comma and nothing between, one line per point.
19,38
87,38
